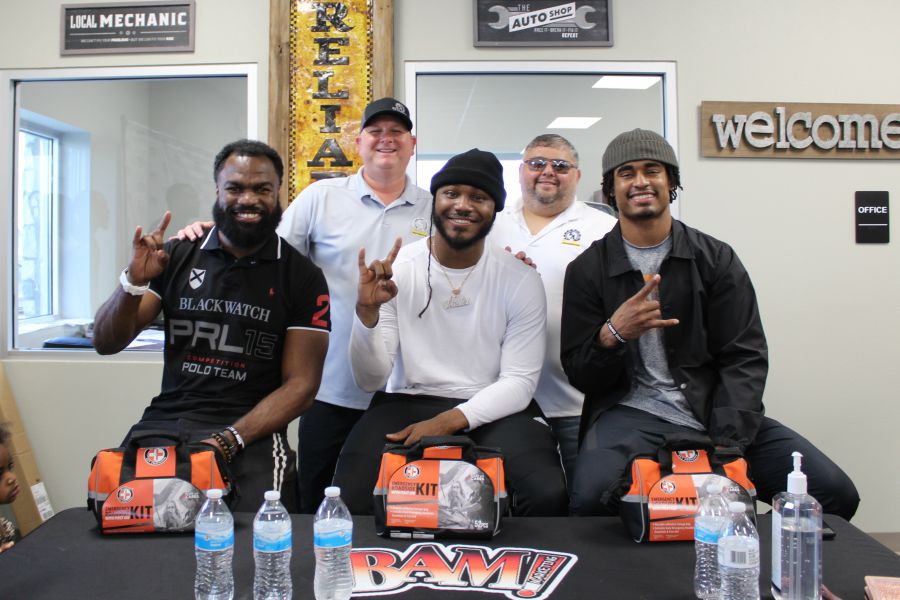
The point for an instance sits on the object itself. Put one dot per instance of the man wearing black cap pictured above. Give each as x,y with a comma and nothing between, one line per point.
661,331
329,221
453,330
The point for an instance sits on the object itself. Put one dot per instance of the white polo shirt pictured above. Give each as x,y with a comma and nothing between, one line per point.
552,249
329,222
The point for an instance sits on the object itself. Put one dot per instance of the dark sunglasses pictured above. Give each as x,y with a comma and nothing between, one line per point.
559,166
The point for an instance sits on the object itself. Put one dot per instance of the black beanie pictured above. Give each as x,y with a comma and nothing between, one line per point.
476,168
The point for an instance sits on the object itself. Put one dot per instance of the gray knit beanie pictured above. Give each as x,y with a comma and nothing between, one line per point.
637,144
476,168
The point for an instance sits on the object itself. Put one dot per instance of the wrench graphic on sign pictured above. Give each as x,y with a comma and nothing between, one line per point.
580,20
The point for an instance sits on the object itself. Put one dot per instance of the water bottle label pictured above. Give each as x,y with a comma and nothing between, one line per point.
738,553
333,539
706,532
213,541
277,543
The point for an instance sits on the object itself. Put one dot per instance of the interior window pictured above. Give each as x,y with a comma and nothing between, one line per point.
95,157
500,107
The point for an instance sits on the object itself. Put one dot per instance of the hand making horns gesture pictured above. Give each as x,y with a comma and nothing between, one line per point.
639,314
148,258
375,284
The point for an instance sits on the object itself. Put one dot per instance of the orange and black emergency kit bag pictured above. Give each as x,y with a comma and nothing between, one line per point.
664,491
145,487
440,487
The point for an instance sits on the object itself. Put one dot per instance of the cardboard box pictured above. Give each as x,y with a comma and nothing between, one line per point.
32,507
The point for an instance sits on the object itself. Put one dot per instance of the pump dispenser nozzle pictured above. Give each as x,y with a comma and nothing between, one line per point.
796,481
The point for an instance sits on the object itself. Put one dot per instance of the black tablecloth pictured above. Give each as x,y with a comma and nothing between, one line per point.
576,558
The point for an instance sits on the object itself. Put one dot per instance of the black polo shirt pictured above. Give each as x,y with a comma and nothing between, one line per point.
225,325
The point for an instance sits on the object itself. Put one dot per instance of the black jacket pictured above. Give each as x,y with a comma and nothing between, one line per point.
717,353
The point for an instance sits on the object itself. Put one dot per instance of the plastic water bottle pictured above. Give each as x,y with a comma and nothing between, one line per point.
272,550
214,547
739,556
796,540
333,539
710,522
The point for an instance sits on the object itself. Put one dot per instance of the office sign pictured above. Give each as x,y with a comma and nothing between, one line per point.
543,23
114,28
799,130
872,218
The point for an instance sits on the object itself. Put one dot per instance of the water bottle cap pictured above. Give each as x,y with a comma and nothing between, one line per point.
273,495
736,507
332,491
214,494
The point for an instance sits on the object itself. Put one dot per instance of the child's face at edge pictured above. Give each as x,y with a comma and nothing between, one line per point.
9,485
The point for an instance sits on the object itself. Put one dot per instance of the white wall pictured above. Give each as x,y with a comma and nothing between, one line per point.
827,303
75,404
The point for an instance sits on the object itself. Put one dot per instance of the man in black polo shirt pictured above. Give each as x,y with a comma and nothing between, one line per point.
246,325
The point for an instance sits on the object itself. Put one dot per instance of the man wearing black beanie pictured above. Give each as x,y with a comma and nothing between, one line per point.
661,331
452,328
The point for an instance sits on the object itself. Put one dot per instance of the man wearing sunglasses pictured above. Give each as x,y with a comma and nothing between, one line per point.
551,227
661,331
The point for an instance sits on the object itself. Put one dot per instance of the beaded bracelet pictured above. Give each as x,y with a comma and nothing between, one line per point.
224,446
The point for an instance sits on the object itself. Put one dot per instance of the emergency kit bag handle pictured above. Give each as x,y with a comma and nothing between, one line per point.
138,440
429,447
686,441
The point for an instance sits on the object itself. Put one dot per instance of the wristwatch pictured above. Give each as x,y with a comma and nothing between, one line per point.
130,288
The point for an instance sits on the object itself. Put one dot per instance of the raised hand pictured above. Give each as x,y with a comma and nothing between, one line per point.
375,284
637,315
148,258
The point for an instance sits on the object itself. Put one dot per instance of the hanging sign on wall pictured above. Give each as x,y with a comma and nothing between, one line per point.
543,23
799,130
330,85
114,28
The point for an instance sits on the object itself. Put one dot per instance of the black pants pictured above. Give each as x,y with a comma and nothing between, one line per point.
535,480
322,431
622,433
266,464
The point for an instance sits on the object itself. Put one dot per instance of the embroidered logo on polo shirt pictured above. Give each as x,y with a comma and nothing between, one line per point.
420,227
197,277
572,237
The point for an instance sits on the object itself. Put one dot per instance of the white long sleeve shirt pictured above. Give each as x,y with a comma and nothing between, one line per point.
488,352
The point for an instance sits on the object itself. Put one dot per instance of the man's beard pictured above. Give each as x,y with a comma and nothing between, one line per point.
545,199
246,235
462,244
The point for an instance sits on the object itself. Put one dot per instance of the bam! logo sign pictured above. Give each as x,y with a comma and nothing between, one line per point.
513,572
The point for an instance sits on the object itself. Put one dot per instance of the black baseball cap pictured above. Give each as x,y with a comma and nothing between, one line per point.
390,107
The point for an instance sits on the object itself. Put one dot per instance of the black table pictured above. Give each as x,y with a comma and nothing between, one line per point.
576,558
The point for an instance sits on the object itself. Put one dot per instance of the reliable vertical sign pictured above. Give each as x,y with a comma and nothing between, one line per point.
331,83
113,28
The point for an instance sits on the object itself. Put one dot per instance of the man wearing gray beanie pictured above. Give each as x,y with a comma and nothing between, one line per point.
662,333
452,329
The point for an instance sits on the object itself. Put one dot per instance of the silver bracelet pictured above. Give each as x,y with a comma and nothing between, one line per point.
613,331
237,436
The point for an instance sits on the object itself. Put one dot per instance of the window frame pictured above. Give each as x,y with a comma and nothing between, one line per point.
53,214
10,125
